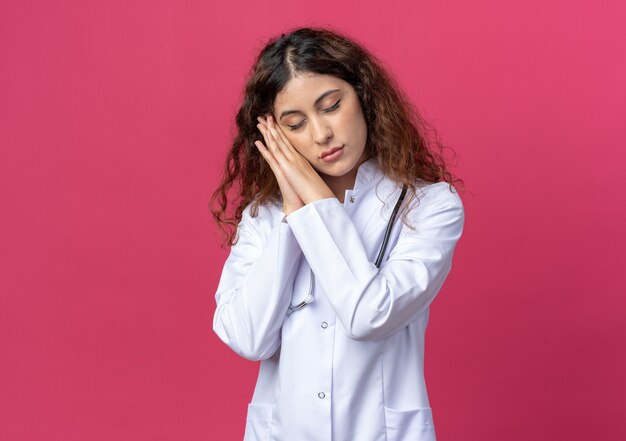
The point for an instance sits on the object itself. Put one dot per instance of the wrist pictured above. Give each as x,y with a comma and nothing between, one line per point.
319,196
288,209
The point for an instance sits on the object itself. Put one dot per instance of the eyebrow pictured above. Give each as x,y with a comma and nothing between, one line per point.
317,101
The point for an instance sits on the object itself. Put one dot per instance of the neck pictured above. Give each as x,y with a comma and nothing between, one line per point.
339,184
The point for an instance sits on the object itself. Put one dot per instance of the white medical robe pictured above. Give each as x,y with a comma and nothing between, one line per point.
349,366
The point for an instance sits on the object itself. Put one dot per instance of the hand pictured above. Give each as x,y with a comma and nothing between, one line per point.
287,162
291,200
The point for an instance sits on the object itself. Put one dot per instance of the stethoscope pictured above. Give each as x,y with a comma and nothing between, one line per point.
309,297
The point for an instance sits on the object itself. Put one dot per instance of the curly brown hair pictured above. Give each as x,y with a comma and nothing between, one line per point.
405,146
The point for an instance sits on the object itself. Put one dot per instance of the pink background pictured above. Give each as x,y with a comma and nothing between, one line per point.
115,117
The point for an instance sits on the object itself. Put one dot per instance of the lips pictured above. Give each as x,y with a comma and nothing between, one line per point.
330,151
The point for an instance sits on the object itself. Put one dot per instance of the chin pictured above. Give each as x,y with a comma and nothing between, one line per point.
338,169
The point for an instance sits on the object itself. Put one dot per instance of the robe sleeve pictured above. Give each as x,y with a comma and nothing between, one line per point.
373,303
255,287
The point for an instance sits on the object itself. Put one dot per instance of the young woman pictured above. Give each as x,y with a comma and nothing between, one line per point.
343,226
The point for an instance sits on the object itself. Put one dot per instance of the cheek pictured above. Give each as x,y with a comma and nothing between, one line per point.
355,122
297,142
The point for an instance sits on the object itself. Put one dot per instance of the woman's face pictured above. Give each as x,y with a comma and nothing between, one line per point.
322,118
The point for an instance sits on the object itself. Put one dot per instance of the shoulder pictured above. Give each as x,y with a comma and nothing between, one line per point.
439,193
432,205
257,223
436,207
261,219
426,193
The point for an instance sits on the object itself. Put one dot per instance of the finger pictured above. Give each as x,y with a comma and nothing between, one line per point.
288,151
266,136
264,121
275,144
270,138
283,144
278,132
261,121
269,125
267,155
262,127
275,167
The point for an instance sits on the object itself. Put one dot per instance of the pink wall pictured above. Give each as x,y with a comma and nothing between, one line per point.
115,117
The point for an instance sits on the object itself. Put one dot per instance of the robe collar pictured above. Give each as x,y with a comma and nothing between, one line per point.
367,173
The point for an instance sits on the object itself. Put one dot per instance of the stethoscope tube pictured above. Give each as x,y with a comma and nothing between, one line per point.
383,247
309,297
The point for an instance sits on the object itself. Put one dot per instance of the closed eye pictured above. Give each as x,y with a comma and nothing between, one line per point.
297,126
327,110
333,107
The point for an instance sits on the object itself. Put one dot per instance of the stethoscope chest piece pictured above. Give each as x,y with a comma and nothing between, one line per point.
309,297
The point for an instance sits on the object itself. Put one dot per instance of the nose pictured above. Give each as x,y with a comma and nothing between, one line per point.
322,131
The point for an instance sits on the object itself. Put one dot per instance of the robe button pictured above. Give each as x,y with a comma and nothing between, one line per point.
324,325
321,395
352,199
